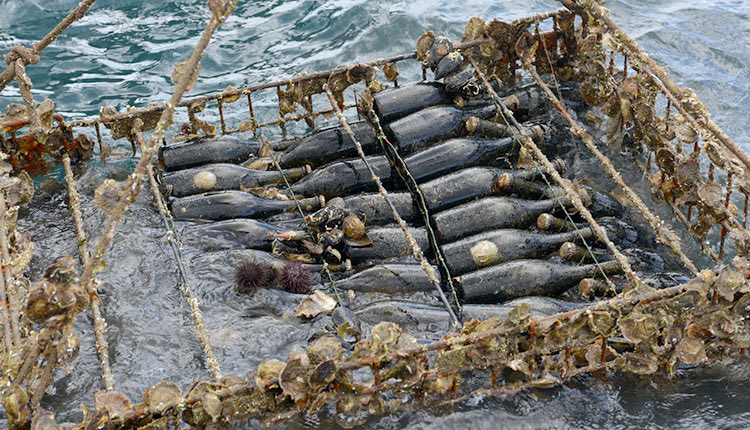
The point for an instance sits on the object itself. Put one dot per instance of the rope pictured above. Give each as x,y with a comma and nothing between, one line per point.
8,335
174,243
403,170
428,269
307,224
100,325
572,195
664,233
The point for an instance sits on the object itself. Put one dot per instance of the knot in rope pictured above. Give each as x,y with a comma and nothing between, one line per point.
27,55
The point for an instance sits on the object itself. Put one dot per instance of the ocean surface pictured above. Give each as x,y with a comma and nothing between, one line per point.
122,54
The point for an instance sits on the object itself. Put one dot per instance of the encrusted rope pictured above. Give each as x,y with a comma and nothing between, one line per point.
100,325
663,232
572,195
38,47
174,243
428,269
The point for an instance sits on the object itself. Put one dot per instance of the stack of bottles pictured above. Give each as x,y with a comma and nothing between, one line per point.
504,231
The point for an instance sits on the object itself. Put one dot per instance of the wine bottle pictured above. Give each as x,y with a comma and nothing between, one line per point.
395,103
539,306
517,184
589,287
325,145
407,314
387,243
343,177
478,127
526,102
496,284
222,205
231,234
347,177
462,186
579,254
217,177
413,315
218,149
498,246
602,204
427,126
377,211
458,153
549,222
491,213
388,278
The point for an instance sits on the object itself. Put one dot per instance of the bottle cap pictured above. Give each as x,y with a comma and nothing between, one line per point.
545,221
471,124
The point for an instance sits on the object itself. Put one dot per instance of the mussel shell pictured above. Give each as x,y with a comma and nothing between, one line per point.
439,49
456,82
331,238
449,65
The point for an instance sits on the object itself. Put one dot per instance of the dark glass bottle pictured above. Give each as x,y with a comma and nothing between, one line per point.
395,103
377,211
482,128
467,184
427,126
462,153
549,222
496,284
387,243
347,177
580,254
343,177
326,145
218,149
217,177
388,278
491,213
222,205
498,246
231,234
526,102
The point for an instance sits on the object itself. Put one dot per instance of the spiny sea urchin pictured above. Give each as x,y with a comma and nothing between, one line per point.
295,278
249,275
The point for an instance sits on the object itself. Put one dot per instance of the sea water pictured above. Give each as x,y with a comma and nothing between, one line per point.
122,54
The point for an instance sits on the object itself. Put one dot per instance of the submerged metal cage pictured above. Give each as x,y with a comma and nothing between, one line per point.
696,172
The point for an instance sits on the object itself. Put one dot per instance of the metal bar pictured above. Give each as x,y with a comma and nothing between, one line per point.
252,88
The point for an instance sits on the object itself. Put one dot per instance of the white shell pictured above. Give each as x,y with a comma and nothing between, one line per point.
484,253
204,180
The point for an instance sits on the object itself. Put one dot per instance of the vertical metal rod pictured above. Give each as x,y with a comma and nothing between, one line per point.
220,105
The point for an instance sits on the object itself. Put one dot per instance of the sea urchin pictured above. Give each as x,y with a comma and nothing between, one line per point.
249,275
295,278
